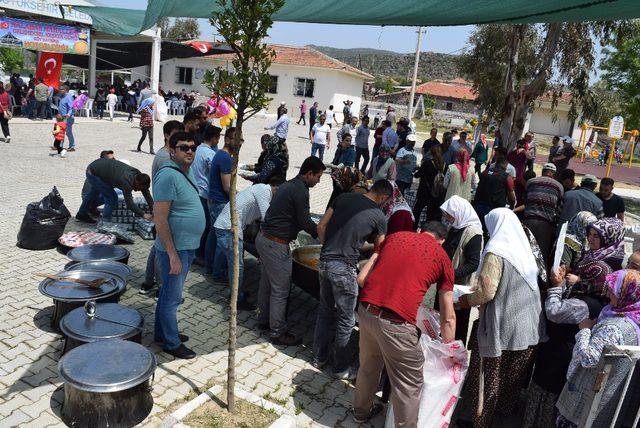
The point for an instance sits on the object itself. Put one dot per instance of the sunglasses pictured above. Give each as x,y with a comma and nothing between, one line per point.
185,149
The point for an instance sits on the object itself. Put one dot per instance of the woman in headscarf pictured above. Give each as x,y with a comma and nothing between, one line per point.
518,158
575,239
565,308
399,215
605,240
146,122
428,195
511,322
459,180
463,246
383,166
347,179
273,161
618,324
480,153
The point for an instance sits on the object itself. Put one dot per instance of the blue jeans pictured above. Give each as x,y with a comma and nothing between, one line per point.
210,248
72,141
99,188
224,254
338,299
169,298
315,147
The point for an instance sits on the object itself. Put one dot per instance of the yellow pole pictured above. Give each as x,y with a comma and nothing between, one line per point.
634,134
611,155
582,143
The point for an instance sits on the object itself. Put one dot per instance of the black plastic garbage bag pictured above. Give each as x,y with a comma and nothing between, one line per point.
43,223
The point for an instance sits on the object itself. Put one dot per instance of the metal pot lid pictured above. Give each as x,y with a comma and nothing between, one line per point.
107,366
110,266
71,292
111,321
94,252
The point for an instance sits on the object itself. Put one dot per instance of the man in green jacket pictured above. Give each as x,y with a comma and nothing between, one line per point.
103,175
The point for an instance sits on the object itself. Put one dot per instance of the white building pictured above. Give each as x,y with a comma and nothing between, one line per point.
545,120
297,73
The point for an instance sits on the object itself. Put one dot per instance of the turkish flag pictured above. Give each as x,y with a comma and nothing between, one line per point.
49,68
203,47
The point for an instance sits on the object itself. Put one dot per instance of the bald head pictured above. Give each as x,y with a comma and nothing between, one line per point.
634,261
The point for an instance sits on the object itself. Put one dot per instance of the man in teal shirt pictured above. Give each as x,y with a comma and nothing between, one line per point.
180,221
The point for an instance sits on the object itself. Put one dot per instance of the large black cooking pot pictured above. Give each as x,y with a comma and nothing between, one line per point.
99,252
68,295
107,384
100,321
109,266
304,269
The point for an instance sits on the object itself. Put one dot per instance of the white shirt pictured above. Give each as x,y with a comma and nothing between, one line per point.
112,99
329,114
320,133
251,204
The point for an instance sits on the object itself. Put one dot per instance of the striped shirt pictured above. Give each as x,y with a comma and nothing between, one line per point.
251,203
544,199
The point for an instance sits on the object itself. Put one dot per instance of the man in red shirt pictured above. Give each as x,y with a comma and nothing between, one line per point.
394,282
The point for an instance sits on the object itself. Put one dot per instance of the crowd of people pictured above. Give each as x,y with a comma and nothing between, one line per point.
493,225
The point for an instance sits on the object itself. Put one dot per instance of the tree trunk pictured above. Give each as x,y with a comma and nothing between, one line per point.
506,117
233,310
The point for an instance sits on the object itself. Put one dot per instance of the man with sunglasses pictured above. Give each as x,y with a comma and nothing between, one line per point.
180,221
218,197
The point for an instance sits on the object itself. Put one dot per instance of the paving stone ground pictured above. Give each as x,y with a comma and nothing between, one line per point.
31,391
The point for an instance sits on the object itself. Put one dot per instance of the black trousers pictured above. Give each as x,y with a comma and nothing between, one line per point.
365,154
58,145
302,118
145,132
4,123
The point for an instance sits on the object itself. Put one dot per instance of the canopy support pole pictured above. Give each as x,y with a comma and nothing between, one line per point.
415,75
93,49
155,60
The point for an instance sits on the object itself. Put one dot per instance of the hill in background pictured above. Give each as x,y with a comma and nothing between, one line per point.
382,63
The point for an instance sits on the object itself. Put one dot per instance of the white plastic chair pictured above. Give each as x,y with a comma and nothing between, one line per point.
88,107
181,107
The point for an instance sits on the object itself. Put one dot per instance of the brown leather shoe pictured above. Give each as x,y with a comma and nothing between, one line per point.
286,339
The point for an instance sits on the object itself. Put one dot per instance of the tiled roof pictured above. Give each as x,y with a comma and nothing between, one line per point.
305,56
457,89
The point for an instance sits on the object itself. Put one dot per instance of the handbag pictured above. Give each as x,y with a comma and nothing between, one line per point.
7,114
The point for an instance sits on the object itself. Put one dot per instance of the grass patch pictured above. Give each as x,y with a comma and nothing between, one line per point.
299,408
280,401
214,414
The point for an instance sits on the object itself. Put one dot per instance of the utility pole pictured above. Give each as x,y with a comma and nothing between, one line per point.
415,75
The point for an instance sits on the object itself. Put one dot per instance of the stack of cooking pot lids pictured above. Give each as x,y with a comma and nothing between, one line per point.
101,321
99,252
69,291
110,266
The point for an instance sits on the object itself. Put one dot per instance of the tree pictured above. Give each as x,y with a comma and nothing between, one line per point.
531,59
621,66
11,60
383,84
243,24
602,104
182,29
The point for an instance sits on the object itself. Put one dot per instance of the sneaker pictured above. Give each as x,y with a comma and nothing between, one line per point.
8,139
147,288
53,148
375,409
63,153
71,149
286,339
349,374
245,305
85,218
152,152
181,352
183,338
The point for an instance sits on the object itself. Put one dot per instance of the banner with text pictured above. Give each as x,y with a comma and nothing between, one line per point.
43,37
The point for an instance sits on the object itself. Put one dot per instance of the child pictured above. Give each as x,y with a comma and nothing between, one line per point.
146,123
59,130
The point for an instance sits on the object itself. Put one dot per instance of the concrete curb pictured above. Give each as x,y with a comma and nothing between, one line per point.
286,419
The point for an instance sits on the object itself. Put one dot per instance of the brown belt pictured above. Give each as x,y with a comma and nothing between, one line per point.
383,313
275,238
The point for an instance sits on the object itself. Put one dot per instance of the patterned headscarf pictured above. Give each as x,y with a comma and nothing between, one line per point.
593,279
397,202
611,231
277,148
346,178
625,285
462,163
147,104
577,230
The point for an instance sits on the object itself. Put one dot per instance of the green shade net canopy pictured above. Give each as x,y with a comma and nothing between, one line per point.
128,22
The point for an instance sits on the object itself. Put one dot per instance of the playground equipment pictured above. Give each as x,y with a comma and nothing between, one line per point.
582,142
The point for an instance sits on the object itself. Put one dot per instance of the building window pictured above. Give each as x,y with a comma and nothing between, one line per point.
304,87
184,75
273,85
448,106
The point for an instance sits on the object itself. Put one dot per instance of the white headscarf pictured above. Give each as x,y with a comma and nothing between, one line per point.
462,211
508,240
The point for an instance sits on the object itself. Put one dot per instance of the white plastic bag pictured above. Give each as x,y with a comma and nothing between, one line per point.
445,366
161,109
